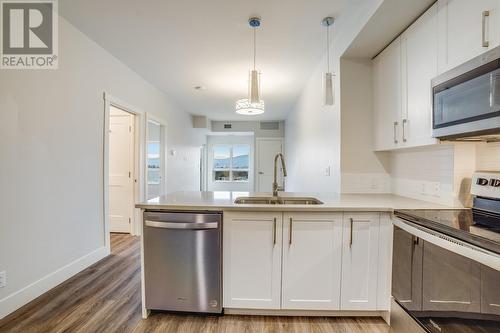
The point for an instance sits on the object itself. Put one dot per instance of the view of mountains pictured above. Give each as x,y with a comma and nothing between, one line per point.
239,162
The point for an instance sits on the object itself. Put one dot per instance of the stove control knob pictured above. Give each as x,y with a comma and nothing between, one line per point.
495,182
482,181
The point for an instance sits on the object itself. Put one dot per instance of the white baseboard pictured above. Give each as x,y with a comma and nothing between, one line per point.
305,313
23,296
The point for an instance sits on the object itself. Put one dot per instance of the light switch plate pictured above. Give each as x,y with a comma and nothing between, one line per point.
3,279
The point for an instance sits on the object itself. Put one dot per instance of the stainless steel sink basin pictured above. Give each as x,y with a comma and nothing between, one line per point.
277,201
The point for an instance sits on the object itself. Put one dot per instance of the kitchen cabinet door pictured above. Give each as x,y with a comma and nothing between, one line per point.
419,67
465,31
450,281
490,291
312,253
387,97
359,261
252,259
407,269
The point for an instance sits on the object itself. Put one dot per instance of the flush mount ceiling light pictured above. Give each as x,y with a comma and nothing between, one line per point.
253,104
244,106
329,97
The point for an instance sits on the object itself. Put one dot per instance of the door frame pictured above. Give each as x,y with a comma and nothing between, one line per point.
163,153
257,160
139,143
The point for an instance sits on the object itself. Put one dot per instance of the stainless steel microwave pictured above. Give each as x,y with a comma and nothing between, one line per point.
466,100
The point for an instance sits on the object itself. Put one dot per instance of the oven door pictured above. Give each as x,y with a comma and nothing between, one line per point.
469,103
441,290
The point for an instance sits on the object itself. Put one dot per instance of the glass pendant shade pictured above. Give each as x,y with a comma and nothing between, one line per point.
253,87
244,106
329,89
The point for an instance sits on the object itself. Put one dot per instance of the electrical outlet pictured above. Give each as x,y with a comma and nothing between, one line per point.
3,279
327,171
436,189
423,189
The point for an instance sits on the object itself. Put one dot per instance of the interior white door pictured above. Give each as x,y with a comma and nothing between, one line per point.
360,261
121,165
266,151
312,253
252,260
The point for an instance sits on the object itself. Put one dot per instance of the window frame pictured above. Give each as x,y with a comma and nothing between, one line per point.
231,169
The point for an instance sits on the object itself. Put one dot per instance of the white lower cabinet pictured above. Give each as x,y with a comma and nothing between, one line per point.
306,260
252,260
312,253
360,261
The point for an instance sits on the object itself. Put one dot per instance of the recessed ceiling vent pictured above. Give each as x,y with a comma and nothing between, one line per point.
228,126
269,125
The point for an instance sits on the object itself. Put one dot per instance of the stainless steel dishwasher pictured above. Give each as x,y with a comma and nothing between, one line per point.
182,261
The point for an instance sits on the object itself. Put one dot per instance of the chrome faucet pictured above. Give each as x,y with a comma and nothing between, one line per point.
276,187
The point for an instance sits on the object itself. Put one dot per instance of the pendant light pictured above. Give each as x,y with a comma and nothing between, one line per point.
252,105
329,97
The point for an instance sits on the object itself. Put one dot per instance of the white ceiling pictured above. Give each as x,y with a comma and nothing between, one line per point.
177,45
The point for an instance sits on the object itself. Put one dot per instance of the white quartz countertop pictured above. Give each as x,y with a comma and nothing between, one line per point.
195,200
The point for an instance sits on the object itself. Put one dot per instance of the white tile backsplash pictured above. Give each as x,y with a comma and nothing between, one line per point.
488,156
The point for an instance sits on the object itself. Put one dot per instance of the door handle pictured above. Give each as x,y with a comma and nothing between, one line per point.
185,226
484,41
261,173
274,231
403,125
395,132
350,235
290,232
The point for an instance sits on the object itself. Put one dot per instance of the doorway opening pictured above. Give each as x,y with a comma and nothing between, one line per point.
122,157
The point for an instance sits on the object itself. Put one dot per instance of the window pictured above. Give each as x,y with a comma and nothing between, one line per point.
231,163
153,163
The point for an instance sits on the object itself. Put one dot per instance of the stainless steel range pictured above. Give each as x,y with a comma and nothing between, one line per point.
446,265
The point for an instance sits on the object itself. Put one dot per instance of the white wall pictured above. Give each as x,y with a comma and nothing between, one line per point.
230,140
362,169
51,125
312,130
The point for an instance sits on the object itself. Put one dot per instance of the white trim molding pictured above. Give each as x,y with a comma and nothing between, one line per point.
139,163
25,295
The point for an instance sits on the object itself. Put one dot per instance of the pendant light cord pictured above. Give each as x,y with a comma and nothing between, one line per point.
328,48
254,47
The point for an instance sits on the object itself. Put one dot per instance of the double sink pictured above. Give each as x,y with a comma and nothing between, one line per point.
277,201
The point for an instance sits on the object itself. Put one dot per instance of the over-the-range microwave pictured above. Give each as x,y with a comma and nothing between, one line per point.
466,100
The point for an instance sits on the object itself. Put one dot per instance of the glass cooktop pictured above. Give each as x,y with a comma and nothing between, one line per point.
477,227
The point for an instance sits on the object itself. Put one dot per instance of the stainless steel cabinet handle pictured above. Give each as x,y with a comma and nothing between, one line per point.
404,123
350,237
274,231
186,226
290,232
485,42
395,132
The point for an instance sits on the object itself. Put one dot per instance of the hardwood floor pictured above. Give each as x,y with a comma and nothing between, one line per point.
106,298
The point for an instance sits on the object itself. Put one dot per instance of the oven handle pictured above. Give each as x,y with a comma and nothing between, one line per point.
184,226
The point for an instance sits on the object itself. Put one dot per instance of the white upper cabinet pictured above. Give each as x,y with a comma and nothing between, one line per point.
252,260
387,96
467,28
419,46
312,253
360,261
